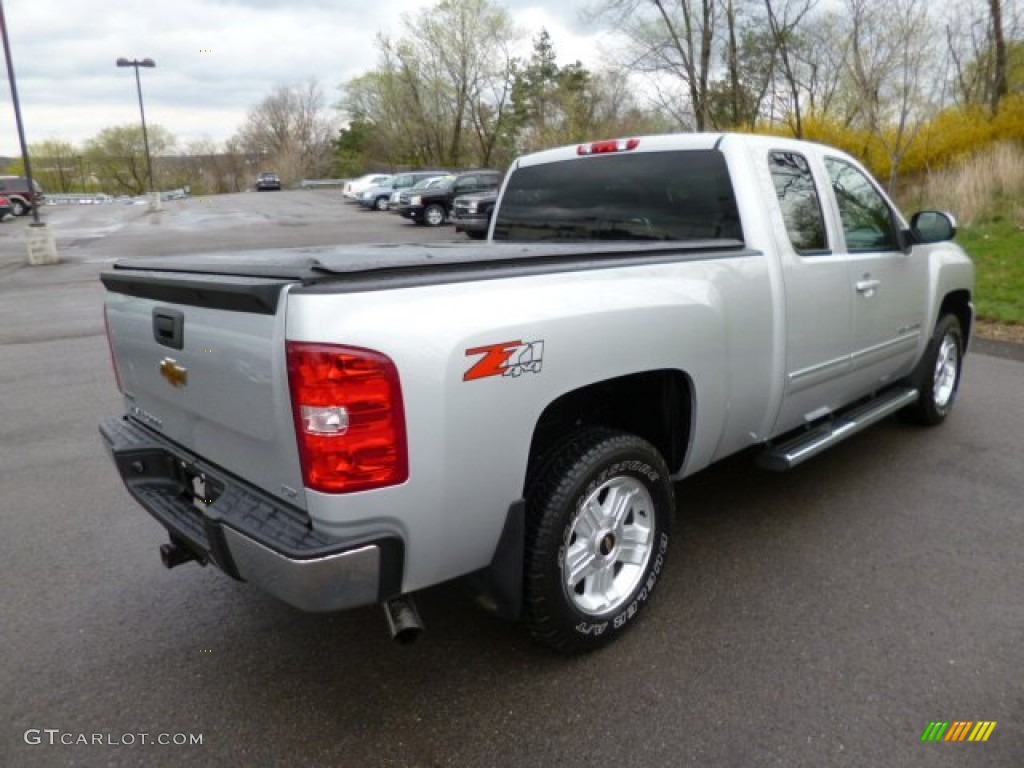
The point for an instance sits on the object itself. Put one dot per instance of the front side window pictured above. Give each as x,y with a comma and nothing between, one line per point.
798,199
657,196
867,219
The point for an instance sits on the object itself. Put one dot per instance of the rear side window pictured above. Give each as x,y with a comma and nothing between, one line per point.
798,199
676,195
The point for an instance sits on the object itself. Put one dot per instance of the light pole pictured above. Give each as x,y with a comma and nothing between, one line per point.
42,246
149,63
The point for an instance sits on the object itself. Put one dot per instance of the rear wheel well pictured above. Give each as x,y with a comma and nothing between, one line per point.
654,405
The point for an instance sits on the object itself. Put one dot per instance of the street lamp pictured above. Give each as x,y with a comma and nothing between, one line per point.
42,245
149,63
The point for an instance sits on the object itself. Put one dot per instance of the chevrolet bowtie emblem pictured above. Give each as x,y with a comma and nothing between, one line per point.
176,375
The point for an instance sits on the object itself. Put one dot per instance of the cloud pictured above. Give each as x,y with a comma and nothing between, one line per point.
214,58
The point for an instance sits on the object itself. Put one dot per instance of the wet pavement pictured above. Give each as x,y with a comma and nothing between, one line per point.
822,617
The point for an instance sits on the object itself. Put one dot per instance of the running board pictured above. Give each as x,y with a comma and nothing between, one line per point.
809,444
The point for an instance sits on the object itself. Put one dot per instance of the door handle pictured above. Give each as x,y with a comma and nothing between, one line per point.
868,286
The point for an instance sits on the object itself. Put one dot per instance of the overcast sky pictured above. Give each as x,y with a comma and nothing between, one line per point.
214,58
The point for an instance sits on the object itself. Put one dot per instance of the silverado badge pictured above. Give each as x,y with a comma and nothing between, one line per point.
176,374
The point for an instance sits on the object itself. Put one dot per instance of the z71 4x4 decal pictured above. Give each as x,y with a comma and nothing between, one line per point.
509,358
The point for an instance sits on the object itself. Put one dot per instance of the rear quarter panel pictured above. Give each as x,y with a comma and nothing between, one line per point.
469,440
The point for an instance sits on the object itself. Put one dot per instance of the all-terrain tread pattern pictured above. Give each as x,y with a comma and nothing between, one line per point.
563,472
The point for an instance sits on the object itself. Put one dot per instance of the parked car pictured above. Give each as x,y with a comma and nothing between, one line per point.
472,213
5,207
267,181
352,188
432,207
400,200
378,197
395,201
16,190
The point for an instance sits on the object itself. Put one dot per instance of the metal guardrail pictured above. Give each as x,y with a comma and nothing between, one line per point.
311,183
100,198
77,198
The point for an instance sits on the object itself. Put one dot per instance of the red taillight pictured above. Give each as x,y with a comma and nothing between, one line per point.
110,348
612,145
349,418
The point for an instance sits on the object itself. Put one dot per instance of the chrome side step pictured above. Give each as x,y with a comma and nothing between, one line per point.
808,444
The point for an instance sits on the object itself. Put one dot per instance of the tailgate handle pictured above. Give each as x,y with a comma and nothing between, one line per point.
169,327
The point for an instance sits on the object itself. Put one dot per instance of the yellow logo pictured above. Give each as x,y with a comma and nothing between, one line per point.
176,375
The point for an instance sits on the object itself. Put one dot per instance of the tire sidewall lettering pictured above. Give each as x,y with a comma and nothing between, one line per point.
590,460
645,591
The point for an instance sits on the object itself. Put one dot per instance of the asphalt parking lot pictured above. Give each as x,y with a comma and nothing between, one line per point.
821,617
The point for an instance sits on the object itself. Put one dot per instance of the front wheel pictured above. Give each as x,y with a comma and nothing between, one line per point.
597,537
939,377
381,204
433,216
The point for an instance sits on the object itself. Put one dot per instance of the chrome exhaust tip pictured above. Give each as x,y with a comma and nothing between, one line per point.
403,619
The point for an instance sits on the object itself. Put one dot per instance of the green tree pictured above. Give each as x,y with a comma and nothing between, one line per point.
551,105
117,157
440,93
554,104
56,165
352,147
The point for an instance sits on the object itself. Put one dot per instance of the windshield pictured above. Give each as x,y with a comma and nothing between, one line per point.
431,182
677,195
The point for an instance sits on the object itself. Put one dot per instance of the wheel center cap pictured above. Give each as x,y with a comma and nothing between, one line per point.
607,544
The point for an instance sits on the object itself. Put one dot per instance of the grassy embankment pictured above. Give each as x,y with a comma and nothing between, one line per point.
986,194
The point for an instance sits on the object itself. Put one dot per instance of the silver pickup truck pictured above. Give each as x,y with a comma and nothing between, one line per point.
344,426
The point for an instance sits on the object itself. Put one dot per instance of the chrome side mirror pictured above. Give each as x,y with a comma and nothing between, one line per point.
932,226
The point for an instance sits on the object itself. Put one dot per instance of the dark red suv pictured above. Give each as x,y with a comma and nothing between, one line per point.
16,190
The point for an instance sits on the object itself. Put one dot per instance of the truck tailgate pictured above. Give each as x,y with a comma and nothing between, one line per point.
201,360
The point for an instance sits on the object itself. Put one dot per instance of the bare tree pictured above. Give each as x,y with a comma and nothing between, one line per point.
969,40
784,17
732,64
891,55
290,131
673,39
999,78
825,55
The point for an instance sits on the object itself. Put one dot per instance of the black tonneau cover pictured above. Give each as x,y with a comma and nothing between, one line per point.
311,264
250,280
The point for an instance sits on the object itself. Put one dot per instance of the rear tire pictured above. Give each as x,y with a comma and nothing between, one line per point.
18,208
938,379
598,520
